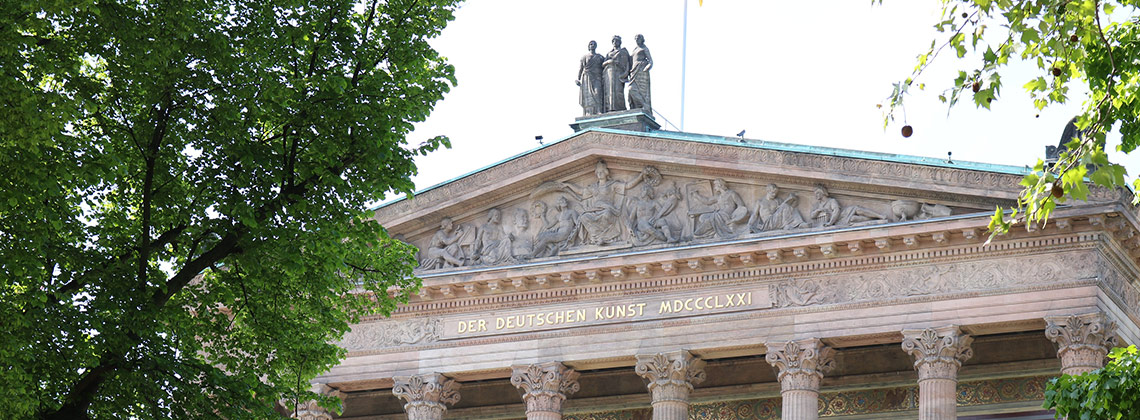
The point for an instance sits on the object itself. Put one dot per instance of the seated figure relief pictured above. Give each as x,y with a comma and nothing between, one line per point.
446,247
827,212
602,202
555,234
648,218
774,214
492,245
718,216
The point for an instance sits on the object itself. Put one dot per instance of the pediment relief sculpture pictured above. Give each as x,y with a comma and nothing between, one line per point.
607,211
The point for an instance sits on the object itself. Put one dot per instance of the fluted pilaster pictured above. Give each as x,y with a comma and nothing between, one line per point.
938,354
544,387
801,365
1082,340
427,396
671,377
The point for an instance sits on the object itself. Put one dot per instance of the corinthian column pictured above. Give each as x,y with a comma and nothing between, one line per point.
311,409
544,387
671,377
1082,340
427,396
938,353
801,364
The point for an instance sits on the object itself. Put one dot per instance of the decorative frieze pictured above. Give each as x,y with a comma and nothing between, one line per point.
670,378
1117,284
878,403
933,279
544,387
1083,340
378,335
426,396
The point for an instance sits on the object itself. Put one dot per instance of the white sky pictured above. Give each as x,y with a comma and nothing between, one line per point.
793,72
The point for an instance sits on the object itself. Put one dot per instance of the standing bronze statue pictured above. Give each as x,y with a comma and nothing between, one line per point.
590,82
639,77
616,69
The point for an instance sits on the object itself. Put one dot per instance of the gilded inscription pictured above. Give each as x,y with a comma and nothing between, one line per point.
618,312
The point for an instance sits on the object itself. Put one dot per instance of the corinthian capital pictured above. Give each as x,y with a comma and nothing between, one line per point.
1082,340
544,386
938,352
311,409
426,396
801,363
670,375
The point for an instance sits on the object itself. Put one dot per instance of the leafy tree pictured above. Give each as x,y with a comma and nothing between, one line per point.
1091,42
1110,393
182,194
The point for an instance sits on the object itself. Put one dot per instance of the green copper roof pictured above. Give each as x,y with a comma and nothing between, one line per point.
759,144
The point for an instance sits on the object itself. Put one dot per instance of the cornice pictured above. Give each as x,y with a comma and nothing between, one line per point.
513,179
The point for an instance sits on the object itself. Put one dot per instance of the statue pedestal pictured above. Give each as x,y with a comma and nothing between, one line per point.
630,120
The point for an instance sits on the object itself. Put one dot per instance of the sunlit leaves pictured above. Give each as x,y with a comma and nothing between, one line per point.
1109,393
1096,43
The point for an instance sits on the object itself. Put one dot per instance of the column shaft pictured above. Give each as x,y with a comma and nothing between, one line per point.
670,410
938,399
543,415
799,404
427,411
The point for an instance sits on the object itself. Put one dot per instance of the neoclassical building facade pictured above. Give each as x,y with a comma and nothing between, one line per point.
628,273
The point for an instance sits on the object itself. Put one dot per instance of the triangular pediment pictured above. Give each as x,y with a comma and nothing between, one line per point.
602,192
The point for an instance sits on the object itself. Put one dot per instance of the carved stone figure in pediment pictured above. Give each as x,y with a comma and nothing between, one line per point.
774,214
933,210
647,219
721,214
520,237
492,244
828,212
556,234
669,202
600,222
590,81
445,247
912,210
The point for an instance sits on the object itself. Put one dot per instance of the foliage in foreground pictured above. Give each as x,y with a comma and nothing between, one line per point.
1110,393
182,186
1091,42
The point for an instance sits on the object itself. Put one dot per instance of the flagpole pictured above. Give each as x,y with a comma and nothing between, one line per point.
684,44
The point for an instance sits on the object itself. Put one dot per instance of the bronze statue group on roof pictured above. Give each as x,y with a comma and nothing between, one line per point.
602,80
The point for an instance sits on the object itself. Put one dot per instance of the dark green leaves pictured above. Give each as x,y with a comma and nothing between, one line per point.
1070,41
182,195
